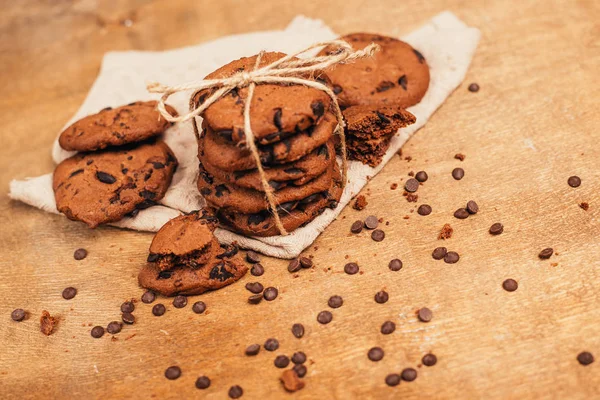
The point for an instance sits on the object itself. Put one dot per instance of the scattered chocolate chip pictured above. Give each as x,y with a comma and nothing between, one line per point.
395,265
298,330
148,297
203,382
281,361
255,298
458,173
461,213
585,358
158,310
421,176
300,370
128,318
472,207
382,297
69,293
179,301
97,332
199,307
371,222
496,228
254,287
411,185
18,314
335,301
378,235
510,285
80,254
425,314
271,344
252,350
473,87
356,227
429,360
306,262
324,317
424,209
546,253
388,327
235,392
114,327
409,374
127,307
451,257
299,357
375,354
270,293
439,253
294,266
574,181
392,380
351,268
257,270
173,372
252,257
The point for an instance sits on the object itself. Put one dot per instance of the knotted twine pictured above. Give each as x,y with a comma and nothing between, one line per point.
286,70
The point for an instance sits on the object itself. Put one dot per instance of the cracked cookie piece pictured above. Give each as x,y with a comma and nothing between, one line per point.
396,75
375,121
98,188
134,122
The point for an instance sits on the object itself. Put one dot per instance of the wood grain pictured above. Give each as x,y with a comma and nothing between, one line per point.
533,124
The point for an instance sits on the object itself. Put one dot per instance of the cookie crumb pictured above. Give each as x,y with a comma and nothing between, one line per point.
394,186
47,323
412,197
290,381
360,203
408,158
411,173
584,206
460,156
446,232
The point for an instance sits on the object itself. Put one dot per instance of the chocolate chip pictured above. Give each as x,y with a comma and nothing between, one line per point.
473,87
384,86
403,82
421,176
451,257
69,293
546,253
439,253
180,301
252,257
173,372
335,301
300,370
383,120
270,293
148,297
158,310
337,89
351,268
429,360
105,177
409,374
392,380
425,314
497,228
80,254
574,181
235,392
299,358
271,344
324,317
378,235
356,227
585,358
128,318
114,327
381,297
318,108
199,307
510,285
254,287
298,330
255,298
458,173
97,332
277,119
152,257
257,270
294,266
281,361
127,306
411,185
375,354
424,209
18,314
371,222
203,382
306,262
472,207
461,213
395,265
252,350
388,327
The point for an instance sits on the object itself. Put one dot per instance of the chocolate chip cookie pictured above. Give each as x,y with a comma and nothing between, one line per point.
276,112
102,187
375,120
134,122
368,151
396,75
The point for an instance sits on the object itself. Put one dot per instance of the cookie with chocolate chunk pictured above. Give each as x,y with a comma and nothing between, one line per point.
102,187
134,122
396,75
367,151
276,112
375,121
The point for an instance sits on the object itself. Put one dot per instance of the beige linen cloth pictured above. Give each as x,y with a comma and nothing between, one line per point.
446,42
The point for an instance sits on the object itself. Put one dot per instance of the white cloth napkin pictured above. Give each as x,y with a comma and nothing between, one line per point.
446,42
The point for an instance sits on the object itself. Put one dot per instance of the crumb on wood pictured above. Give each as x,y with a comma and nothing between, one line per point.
412,197
290,380
406,217
394,186
360,203
446,232
47,323
460,156
408,158
411,173
584,206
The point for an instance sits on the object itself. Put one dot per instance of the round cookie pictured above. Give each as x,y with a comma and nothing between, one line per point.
276,110
222,269
301,213
396,75
228,196
228,157
292,174
102,187
134,122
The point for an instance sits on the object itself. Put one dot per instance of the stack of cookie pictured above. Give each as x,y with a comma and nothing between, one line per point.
396,77
293,129
185,258
121,169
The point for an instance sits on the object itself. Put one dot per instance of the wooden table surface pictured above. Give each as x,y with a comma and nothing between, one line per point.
534,123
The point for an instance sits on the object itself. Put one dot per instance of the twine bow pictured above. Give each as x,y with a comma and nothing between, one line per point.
286,70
